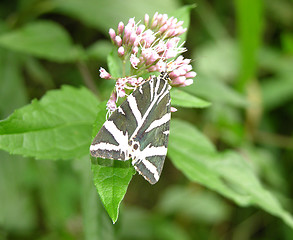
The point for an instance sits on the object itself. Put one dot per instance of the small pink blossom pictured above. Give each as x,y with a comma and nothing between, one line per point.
112,34
132,39
121,51
160,66
111,104
146,19
154,23
118,41
153,46
121,93
147,38
173,109
104,74
134,61
187,82
179,80
135,50
172,43
140,29
190,74
133,81
131,22
149,55
120,28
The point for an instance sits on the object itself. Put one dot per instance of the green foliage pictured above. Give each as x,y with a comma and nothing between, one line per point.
41,131
111,181
184,99
42,39
94,12
250,25
226,173
232,151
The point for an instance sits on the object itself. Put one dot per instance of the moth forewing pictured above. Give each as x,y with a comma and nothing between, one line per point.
111,140
153,134
139,129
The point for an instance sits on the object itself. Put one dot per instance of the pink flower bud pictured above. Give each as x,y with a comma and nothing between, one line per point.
174,74
170,33
112,34
159,18
131,22
121,93
104,74
183,69
111,104
140,29
127,33
190,74
154,24
118,41
179,80
139,80
164,19
186,61
135,50
161,66
155,16
134,61
173,109
120,28
152,58
171,43
121,51
179,24
132,38
181,31
163,28
187,82
173,21
146,19
170,53
148,37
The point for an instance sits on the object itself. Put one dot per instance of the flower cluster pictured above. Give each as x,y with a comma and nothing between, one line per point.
152,46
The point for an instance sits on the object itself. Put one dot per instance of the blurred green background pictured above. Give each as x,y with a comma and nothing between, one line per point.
242,51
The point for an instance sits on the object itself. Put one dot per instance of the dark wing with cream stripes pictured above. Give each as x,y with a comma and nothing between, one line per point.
139,129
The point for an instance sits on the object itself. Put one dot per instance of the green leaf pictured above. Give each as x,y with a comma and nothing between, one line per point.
59,126
226,173
96,223
183,14
184,99
114,64
12,88
216,91
42,39
107,14
99,50
111,177
38,72
210,57
277,90
213,75
203,206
